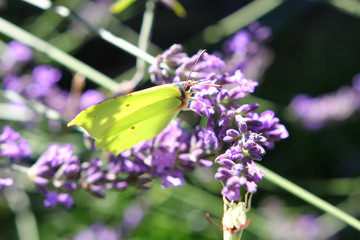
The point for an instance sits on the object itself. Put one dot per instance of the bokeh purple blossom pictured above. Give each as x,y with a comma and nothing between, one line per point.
13,146
97,231
247,50
132,217
315,112
42,83
6,182
53,199
281,225
90,97
15,52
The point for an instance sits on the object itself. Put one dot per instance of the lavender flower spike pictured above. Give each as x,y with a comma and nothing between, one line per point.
53,199
12,145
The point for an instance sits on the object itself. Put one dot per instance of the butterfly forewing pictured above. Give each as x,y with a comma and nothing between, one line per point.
110,121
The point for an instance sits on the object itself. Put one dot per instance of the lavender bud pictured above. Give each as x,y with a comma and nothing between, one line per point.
237,168
95,177
243,109
226,163
206,163
121,185
67,186
6,182
253,122
241,124
249,144
224,172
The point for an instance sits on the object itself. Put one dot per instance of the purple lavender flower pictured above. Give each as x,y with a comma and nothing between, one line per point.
57,166
356,83
158,156
12,145
232,188
209,67
284,226
6,182
202,106
237,130
243,85
237,173
261,32
314,113
89,98
246,42
189,159
93,177
59,169
173,178
308,226
53,199
40,86
239,42
19,51
252,133
246,50
268,125
14,83
173,57
133,216
210,64
97,231
209,138
167,157
44,78
56,99
14,53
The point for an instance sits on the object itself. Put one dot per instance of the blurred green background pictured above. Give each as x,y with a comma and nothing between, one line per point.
315,47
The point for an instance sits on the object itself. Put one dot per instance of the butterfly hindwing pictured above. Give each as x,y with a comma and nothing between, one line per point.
135,133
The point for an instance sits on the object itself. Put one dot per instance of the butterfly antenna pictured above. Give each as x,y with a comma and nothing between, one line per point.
207,215
197,60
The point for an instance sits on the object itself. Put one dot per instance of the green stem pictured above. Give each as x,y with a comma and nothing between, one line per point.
350,7
58,55
147,24
37,107
25,220
126,46
310,198
144,40
103,33
19,168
